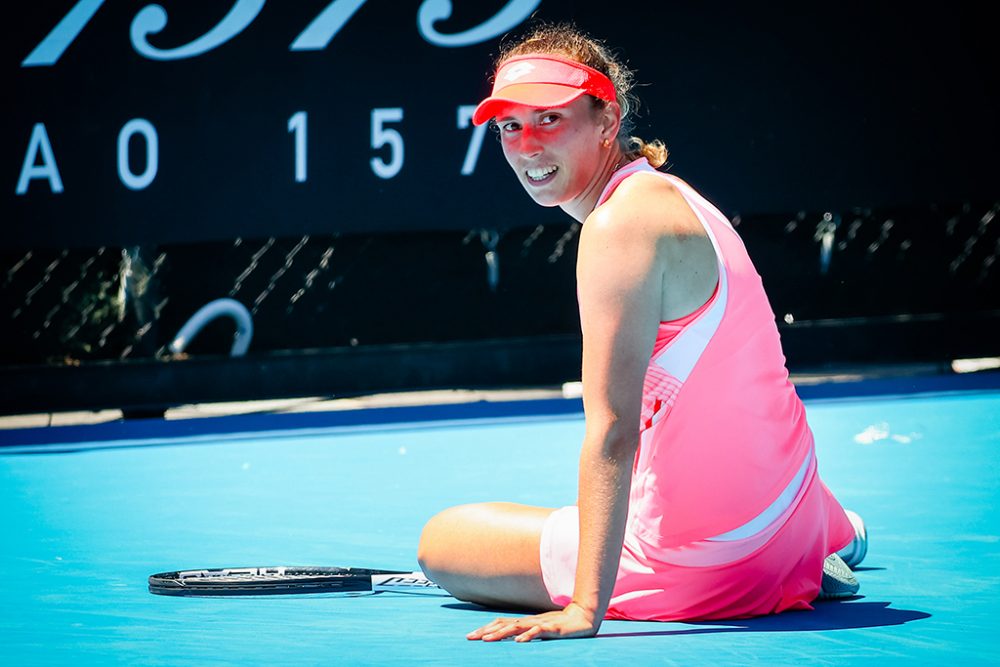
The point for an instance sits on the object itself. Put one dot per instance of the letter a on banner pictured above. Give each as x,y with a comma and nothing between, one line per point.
46,170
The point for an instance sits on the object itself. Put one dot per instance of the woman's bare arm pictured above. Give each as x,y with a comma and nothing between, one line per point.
619,276
620,282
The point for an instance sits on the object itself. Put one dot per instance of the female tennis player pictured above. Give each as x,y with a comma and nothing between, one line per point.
698,495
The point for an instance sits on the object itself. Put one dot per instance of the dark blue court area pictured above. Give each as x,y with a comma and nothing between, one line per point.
91,511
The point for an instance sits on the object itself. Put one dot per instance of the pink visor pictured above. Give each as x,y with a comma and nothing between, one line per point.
542,81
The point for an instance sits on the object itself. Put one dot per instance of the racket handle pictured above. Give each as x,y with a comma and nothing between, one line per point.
410,582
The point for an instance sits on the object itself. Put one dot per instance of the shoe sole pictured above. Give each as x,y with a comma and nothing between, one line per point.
838,580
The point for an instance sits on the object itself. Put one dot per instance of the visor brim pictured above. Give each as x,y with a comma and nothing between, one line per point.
536,95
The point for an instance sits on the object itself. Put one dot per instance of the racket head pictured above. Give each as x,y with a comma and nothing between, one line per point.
269,580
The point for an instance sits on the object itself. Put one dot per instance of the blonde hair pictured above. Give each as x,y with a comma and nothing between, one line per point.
567,40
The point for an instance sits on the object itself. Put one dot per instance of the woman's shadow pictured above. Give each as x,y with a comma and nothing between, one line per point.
847,614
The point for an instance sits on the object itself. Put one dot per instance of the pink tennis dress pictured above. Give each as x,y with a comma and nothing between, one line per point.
728,517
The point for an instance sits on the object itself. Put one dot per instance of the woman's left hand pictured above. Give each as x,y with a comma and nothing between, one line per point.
573,621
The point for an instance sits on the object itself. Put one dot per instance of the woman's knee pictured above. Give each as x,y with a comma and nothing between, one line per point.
478,534
439,537
486,553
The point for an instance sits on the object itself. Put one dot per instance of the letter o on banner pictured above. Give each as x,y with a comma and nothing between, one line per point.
146,129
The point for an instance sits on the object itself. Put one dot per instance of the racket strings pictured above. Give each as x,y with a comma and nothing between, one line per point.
254,576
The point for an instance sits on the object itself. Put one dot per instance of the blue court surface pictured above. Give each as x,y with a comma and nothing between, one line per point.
90,511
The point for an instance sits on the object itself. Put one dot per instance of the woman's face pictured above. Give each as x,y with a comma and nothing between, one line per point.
556,153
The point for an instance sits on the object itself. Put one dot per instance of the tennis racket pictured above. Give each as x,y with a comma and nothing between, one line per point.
287,579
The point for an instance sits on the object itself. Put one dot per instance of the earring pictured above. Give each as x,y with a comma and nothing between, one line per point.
607,142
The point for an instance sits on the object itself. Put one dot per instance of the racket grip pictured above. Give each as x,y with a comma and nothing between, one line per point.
411,582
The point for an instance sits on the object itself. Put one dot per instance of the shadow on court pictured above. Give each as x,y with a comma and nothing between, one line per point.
827,615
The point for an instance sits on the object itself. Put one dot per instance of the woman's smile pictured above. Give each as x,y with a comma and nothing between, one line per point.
540,175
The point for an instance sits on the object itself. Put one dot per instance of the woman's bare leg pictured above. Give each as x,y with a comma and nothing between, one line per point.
487,553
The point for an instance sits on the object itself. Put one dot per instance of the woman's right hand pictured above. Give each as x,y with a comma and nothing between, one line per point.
573,621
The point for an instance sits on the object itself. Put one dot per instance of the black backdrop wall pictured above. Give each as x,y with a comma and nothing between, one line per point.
133,123
315,161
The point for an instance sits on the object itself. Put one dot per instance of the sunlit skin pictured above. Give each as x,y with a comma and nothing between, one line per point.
571,139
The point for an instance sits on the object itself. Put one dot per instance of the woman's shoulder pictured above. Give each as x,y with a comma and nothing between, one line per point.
647,202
